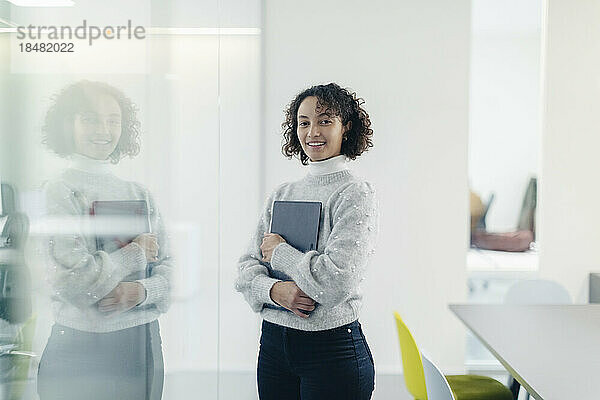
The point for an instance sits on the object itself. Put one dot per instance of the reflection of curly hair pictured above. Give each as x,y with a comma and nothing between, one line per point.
338,102
75,98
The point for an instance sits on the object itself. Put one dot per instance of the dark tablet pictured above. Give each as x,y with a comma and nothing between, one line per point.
298,222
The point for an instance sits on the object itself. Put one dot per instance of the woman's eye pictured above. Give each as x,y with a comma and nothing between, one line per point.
325,122
303,123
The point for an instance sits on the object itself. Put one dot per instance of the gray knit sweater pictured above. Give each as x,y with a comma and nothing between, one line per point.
330,275
79,274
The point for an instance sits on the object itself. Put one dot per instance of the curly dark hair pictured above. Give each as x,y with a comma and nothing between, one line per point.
57,131
338,102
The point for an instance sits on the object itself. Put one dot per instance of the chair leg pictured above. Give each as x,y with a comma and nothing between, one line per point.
514,387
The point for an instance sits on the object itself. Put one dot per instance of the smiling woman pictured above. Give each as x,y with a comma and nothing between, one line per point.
312,345
106,299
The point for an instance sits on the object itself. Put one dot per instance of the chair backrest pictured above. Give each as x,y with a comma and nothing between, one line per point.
437,385
481,222
412,364
537,291
527,215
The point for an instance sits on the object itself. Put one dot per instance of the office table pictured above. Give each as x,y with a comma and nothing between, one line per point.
552,350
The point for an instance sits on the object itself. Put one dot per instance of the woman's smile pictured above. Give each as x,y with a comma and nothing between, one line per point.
102,142
316,144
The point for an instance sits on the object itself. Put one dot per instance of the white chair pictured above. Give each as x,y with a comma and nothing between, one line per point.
537,291
435,382
534,292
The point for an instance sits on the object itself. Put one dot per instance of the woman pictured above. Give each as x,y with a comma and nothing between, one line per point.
315,349
105,343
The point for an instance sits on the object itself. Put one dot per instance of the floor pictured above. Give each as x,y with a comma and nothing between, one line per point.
242,386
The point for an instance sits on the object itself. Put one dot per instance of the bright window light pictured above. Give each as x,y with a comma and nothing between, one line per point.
42,3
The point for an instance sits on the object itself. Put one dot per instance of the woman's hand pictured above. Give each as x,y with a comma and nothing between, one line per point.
288,295
148,243
122,298
269,242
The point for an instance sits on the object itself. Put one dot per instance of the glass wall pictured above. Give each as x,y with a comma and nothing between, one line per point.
186,89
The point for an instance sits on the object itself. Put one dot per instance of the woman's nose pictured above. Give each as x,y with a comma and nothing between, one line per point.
314,131
102,127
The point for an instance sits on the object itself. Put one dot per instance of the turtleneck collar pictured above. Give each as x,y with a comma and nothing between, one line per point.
90,165
329,166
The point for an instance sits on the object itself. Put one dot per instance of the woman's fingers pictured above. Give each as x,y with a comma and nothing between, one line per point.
108,300
305,301
300,313
108,308
302,297
306,308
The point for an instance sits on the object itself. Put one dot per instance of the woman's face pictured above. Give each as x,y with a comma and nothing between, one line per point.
320,134
96,132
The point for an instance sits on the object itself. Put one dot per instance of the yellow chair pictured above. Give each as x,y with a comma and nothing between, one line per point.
463,387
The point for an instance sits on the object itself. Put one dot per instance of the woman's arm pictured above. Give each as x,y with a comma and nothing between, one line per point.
332,276
253,279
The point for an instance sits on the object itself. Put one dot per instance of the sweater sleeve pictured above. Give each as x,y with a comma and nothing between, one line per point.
332,276
158,284
78,272
253,279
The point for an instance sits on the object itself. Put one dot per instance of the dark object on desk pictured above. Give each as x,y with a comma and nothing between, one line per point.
117,223
595,288
298,222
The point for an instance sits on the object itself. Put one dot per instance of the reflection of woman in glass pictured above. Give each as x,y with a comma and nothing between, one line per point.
105,343
314,347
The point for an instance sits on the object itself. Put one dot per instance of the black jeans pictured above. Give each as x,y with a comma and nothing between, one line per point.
125,364
329,365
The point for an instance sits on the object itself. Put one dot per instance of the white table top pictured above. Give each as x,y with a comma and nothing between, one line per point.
552,350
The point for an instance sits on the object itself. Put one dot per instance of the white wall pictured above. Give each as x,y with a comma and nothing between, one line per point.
569,191
409,60
504,103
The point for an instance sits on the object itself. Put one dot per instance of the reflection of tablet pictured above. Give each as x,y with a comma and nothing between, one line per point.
117,223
